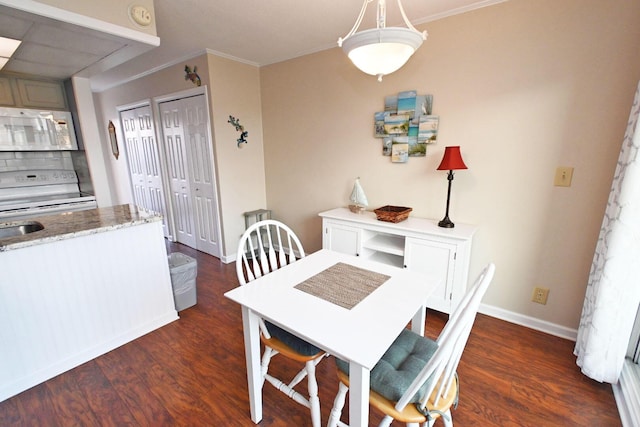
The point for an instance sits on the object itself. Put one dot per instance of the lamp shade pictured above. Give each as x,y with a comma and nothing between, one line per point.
452,159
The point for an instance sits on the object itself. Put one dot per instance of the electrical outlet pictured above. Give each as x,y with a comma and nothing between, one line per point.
540,295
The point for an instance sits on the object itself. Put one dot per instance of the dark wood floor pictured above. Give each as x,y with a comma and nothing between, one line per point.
192,373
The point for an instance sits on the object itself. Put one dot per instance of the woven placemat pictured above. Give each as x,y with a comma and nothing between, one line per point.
343,284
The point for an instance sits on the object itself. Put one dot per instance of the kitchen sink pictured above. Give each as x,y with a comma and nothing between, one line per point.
14,229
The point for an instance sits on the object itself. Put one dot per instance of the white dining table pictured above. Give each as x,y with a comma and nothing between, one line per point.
359,335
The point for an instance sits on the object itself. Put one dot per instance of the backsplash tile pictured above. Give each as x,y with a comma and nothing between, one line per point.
23,160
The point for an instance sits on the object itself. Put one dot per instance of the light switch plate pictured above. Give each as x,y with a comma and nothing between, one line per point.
563,176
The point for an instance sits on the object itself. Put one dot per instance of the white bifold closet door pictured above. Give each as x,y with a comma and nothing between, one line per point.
185,130
144,161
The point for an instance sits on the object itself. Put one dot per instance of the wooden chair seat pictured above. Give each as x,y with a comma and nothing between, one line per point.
286,351
410,413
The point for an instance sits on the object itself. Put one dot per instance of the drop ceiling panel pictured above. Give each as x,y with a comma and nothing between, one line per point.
13,27
69,40
39,54
35,69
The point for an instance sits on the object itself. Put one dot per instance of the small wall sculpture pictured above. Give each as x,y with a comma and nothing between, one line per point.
192,75
243,133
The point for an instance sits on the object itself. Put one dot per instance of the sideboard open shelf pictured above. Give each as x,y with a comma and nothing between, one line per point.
416,243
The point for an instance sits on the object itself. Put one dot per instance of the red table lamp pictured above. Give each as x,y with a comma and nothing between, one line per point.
452,160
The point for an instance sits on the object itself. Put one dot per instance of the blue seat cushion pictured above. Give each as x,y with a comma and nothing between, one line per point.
399,366
297,344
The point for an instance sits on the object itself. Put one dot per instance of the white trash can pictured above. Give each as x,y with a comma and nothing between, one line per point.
184,271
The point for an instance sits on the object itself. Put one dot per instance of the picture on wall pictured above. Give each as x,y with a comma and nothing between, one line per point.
416,149
407,103
391,103
399,152
379,124
386,146
424,103
428,129
406,125
396,124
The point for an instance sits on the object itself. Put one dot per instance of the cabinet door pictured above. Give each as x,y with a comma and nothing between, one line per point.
341,238
41,94
437,258
6,97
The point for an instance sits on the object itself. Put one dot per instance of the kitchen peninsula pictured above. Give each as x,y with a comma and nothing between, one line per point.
89,282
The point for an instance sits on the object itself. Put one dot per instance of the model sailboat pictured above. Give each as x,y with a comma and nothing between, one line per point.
358,199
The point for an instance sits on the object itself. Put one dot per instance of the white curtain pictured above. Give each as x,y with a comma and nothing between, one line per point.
613,291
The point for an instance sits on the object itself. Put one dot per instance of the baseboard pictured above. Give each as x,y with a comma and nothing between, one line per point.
529,322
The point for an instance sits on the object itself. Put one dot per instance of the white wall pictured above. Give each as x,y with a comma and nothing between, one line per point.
523,87
235,91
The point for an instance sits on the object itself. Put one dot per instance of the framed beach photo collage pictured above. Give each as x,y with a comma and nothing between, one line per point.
406,125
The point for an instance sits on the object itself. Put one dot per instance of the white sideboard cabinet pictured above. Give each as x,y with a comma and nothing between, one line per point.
416,243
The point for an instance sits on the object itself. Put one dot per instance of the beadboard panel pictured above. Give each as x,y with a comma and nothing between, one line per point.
64,303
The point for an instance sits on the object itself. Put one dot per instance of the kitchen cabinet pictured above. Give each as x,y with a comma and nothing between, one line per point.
32,93
416,243
41,94
6,96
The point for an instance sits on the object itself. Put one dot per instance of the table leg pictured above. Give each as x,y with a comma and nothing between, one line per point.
358,395
417,323
251,328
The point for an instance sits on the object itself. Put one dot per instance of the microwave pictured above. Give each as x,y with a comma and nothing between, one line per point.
23,129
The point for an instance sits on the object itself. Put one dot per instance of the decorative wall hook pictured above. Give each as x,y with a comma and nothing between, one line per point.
243,133
192,75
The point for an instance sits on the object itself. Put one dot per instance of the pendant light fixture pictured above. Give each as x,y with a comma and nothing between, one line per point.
382,50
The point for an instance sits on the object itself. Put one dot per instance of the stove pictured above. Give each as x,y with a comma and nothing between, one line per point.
30,193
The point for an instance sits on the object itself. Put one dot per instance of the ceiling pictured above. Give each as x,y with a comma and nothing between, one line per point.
255,32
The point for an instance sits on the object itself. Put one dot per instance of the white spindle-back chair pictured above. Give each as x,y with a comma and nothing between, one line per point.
263,248
433,389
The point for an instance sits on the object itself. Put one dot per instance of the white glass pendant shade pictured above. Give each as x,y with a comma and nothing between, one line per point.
381,51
